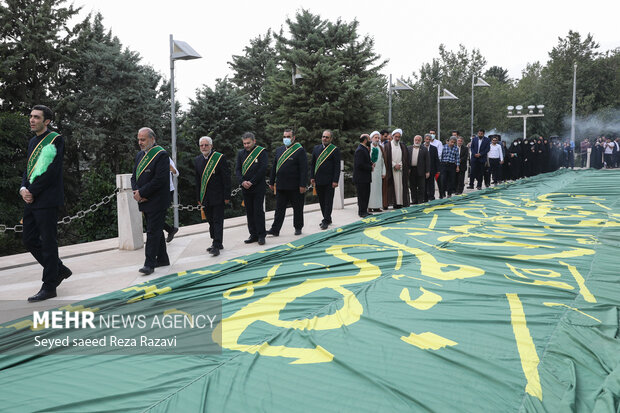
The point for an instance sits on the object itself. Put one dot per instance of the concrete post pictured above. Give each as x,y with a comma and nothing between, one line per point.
129,217
588,161
339,193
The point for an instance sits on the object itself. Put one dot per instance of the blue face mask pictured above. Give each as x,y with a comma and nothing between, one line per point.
286,141
432,135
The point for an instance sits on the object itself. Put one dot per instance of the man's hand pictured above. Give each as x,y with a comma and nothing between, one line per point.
227,201
26,196
383,176
246,184
136,195
477,155
457,168
302,189
397,167
313,182
271,187
501,162
428,174
334,185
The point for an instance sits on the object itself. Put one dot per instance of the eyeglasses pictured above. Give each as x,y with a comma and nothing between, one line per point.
326,137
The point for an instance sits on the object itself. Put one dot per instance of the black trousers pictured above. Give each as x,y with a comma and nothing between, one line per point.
155,249
477,172
429,188
326,200
495,169
40,238
447,179
460,179
255,213
363,195
416,185
584,159
215,218
283,198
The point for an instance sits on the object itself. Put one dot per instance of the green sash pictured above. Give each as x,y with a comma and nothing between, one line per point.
324,155
34,156
251,158
208,171
287,154
147,159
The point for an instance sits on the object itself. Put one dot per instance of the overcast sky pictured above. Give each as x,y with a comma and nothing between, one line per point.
408,33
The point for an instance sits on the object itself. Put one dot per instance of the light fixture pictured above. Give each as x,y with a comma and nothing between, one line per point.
531,108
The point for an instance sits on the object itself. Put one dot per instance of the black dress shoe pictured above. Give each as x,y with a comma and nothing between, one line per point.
261,241
210,248
42,295
298,232
364,215
323,225
146,270
272,232
250,240
171,234
470,187
215,252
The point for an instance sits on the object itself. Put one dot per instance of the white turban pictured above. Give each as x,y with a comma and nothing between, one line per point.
397,131
374,133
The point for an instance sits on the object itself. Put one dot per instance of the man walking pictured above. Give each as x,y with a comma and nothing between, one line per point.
250,169
213,188
362,170
43,192
324,174
420,162
150,182
289,176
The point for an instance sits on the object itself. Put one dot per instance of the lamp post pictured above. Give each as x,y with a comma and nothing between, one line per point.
178,51
447,95
572,124
529,114
400,85
479,83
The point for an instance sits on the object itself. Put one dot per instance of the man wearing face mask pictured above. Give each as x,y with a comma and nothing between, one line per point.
324,174
435,141
289,177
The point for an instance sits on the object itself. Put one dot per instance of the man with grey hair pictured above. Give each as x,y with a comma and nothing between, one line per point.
212,190
419,171
151,188
250,169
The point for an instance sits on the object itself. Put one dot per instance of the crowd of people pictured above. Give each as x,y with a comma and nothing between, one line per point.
387,172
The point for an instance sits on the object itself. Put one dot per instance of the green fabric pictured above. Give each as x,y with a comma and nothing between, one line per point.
147,158
374,154
328,150
250,159
36,153
504,300
287,154
208,172
46,157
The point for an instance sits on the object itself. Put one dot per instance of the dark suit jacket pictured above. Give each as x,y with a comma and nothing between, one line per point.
329,171
256,172
434,155
218,188
293,174
47,189
464,155
154,182
424,160
485,146
362,167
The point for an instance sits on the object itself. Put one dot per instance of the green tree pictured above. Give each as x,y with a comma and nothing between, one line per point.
34,43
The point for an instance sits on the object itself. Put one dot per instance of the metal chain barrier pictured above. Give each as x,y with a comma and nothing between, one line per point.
68,218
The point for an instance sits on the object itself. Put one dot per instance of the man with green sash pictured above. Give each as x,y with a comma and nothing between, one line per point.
213,190
250,169
324,174
289,177
43,192
151,188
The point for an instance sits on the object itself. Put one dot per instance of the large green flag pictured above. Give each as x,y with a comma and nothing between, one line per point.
503,300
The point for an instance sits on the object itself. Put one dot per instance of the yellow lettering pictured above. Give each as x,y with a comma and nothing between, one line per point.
424,302
583,290
249,286
428,341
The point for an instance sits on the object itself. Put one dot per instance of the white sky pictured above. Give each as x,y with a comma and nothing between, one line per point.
508,33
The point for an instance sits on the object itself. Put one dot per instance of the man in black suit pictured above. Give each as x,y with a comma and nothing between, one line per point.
419,172
250,169
212,190
324,174
151,188
480,146
463,157
42,190
362,170
289,177
429,184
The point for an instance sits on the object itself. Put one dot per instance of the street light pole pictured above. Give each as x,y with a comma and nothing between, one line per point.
446,95
400,85
480,83
530,114
178,51
572,125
